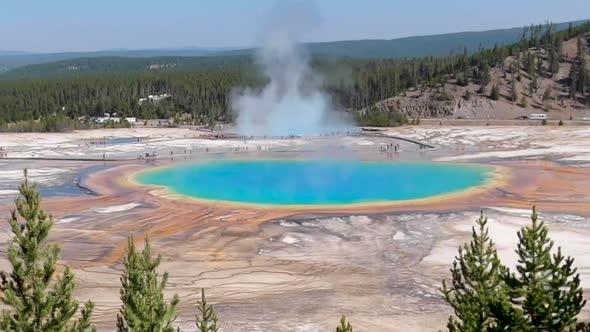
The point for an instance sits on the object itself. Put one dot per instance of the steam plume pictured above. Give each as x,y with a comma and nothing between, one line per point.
292,103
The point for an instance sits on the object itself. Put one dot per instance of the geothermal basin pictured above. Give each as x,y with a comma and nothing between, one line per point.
381,265
315,182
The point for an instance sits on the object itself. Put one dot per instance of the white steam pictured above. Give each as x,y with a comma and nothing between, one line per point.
292,103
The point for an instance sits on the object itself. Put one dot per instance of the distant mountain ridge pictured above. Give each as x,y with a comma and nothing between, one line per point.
10,52
112,64
420,46
29,65
16,59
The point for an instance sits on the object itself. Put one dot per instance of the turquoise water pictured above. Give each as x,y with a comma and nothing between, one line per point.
293,182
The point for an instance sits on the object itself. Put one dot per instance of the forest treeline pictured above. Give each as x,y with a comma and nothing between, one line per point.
543,293
414,47
204,93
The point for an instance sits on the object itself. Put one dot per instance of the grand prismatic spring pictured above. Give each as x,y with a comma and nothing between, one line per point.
313,182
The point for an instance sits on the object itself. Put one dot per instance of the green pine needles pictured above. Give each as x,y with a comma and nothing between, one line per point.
206,318
476,283
142,293
37,298
546,287
344,325
543,295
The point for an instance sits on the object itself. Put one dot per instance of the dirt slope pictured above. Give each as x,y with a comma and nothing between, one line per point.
427,102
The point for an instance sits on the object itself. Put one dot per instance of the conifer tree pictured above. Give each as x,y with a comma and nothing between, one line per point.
476,284
581,67
524,101
513,92
344,325
206,318
142,293
553,61
573,82
533,84
486,76
35,298
546,288
495,93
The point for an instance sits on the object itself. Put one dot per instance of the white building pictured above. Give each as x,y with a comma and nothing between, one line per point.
155,98
104,119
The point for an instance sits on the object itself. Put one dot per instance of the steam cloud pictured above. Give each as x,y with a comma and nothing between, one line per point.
292,103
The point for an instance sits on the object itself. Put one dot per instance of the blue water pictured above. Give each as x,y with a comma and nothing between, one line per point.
315,182
121,140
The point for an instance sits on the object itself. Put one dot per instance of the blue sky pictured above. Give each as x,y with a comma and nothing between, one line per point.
85,25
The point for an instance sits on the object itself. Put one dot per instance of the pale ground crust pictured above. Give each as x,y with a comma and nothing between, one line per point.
271,270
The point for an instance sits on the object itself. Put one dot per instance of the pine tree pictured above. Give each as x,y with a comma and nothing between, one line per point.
344,325
529,62
486,76
495,93
553,61
546,288
513,92
582,72
533,84
206,318
476,284
142,293
524,102
573,82
35,299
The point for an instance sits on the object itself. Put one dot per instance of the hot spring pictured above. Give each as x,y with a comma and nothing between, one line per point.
302,182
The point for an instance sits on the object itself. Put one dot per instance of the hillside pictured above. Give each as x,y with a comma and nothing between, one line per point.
103,65
537,90
14,60
419,46
9,53
542,70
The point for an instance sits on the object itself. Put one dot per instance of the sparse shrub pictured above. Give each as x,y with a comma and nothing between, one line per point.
381,118
462,80
481,90
467,95
547,95
444,96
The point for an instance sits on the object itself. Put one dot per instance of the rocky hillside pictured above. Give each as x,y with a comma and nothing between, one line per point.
523,84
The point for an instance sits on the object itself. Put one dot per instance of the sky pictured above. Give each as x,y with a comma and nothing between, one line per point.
89,25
